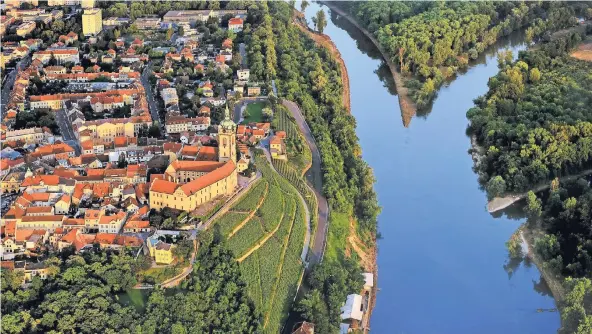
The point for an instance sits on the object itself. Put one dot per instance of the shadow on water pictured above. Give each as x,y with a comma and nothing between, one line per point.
366,46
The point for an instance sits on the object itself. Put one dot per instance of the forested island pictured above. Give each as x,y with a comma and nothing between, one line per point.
535,128
431,41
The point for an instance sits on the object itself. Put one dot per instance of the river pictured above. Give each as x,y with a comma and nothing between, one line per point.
442,261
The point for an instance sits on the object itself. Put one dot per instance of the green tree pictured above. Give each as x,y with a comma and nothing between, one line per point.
320,21
534,205
496,187
303,5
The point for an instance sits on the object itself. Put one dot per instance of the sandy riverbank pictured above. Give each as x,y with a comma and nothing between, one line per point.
408,107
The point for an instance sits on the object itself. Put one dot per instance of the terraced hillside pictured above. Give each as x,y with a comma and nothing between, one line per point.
266,231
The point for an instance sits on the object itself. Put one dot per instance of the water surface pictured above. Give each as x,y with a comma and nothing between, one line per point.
442,262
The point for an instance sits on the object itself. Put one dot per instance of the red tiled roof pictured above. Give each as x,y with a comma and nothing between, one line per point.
209,179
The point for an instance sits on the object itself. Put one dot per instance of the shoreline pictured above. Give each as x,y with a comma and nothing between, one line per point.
529,234
326,42
408,107
499,203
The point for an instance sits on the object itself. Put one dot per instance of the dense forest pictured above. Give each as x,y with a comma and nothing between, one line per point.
81,296
431,41
308,75
535,122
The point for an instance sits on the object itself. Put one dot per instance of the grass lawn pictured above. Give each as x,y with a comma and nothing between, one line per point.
255,111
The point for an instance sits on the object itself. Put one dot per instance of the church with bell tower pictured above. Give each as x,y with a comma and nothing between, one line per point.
227,138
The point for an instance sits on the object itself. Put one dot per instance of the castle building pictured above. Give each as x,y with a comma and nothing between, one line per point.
189,184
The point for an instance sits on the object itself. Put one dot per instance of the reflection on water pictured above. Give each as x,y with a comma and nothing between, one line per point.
542,287
442,260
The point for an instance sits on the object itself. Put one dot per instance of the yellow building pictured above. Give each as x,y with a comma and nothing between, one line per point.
108,129
25,28
46,222
92,21
87,3
161,251
202,189
277,147
12,182
227,139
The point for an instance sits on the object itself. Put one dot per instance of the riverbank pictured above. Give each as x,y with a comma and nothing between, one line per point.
500,203
408,107
326,42
530,232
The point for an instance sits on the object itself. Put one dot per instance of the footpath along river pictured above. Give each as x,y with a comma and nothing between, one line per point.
442,262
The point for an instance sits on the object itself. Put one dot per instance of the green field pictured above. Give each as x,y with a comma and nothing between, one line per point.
255,111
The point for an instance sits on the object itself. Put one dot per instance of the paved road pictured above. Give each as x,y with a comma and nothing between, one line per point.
315,176
242,49
67,130
145,78
9,83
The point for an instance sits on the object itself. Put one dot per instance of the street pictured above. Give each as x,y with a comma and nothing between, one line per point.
10,83
145,78
67,130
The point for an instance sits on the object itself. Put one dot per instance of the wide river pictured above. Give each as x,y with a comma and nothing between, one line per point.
442,262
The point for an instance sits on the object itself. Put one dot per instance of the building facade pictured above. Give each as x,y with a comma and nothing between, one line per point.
92,22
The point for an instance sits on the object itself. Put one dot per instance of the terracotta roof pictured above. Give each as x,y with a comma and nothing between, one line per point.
216,175
137,224
73,222
92,214
64,172
35,180
9,227
38,209
196,166
163,186
36,197
112,219
45,218
105,238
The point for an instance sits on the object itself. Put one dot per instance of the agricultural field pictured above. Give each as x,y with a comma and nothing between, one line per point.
250,200
273,268
299,155
228,222
287,171
246,237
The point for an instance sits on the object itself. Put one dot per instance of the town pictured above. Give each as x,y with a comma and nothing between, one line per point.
137,134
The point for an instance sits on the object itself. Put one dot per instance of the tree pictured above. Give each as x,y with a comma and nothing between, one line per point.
267,114
320,21
534,205
534,75
303,5
169,33
496,187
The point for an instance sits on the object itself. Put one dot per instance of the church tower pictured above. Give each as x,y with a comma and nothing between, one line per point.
227,138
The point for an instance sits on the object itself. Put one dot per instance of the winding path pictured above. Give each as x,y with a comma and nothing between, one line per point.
315,176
